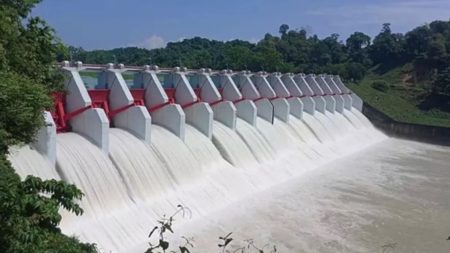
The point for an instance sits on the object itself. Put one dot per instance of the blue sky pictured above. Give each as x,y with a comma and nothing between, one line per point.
105,24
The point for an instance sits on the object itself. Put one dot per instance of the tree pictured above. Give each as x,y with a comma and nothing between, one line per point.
355,71
29,214
357,42
387,47
441,85
29,209
357,47
436,47
417,40
22,102
283,29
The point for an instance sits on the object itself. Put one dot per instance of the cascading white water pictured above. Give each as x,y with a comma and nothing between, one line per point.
81,163
139,166
232,147
127,190
28,161
259,146
317,127
353,119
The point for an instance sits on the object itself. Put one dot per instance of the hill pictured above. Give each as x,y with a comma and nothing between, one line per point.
402,99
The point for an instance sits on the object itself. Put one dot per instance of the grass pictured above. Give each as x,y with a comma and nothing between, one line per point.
401,100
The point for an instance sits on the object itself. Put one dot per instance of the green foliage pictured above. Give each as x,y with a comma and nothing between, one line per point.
442,83
355,71
28,47
358,45
29,209
388,48
165,225
29,214
22,101
27,55
403,101
292,51
380,85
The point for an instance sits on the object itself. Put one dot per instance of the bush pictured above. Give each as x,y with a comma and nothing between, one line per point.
380,85
29,214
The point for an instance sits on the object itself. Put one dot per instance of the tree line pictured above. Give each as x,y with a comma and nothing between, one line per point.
294,50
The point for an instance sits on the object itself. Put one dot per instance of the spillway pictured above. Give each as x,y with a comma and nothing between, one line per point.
232,147
157,147
28,161
135,183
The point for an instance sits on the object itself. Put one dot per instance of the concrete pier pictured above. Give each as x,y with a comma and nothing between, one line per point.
264,107
309,104
224,110
122,111
280,104
245,108
149,89
284,86
198,114
92,123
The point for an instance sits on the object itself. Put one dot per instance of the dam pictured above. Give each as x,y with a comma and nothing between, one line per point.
233,146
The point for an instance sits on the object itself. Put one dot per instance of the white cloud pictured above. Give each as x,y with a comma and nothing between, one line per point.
151,42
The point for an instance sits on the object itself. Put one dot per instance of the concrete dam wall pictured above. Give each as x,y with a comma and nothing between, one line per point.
423,133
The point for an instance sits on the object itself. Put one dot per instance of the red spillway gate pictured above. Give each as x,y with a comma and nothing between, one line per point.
100,99
138,96
170,92
59,114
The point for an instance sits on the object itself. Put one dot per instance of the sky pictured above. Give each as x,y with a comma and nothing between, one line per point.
106,24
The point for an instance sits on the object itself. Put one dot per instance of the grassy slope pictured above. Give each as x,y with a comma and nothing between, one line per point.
401,100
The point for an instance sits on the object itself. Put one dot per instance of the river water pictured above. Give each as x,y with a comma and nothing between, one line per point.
391,197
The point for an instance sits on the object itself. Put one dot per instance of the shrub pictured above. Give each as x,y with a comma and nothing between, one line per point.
380,85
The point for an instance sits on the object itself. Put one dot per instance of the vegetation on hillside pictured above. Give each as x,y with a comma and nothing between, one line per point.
29,209
398,101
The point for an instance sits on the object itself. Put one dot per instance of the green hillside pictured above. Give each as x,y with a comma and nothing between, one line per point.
403,100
